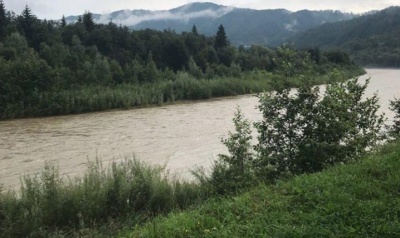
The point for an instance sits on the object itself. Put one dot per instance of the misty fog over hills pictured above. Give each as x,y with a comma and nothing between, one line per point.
243,26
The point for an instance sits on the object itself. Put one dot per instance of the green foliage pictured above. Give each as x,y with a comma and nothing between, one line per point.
355,200
175,55
300,132
290,63
221,39
370,39
88,21
129,190
394,129
3,20
337,57
47,65
304,133
227,55
97,98
194,30
194,70
233,172
63,22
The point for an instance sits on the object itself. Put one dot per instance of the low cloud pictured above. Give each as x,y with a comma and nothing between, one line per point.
291,25
132,18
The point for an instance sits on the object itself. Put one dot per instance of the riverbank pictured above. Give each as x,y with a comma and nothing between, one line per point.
184,87
355,200
359,199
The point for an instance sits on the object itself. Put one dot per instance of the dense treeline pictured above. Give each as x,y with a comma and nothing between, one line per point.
51,67
370,40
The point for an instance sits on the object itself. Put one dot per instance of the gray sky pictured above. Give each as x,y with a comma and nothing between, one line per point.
54,9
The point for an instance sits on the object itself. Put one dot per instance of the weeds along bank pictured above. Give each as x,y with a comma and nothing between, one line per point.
183,87
301,133
356,200
102,201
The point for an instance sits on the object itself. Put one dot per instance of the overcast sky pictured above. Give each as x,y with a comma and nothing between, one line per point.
54,9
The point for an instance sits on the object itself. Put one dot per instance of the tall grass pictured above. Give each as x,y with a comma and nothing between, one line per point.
184,87
130,191
354,200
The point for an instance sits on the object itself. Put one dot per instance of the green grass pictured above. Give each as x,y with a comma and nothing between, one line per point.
355,200
101,201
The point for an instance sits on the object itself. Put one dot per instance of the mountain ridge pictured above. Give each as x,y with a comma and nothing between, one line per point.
243,26
371,39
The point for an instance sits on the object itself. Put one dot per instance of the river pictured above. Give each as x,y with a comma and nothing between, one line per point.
180,136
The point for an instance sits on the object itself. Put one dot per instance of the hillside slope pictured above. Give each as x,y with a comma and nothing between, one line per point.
371,40
357,200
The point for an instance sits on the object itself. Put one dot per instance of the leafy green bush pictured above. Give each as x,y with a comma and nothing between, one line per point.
233,172
305,132
394,130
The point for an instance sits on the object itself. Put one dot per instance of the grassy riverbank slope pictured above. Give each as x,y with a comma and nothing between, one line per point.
355,200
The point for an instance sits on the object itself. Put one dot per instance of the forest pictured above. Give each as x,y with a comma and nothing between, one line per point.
371,39
50,67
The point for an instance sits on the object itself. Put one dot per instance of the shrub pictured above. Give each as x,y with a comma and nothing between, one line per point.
233,172
305,133
394,130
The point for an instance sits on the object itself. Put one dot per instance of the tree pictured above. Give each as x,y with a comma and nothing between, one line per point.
303,134
221,40
88,21
232,172
35,30
194,30
195,43
150,72
315,54
63,22
175,54
26,23
227,55
338,57
3,20
394,129
194,70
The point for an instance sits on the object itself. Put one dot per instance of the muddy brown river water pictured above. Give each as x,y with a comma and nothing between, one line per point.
180,136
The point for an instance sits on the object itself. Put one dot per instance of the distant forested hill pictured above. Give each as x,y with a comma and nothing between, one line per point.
371,40
243,26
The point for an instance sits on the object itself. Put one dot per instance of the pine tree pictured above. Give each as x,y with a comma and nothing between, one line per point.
221,40
3,20
26,24
63,21
88,21
194,30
